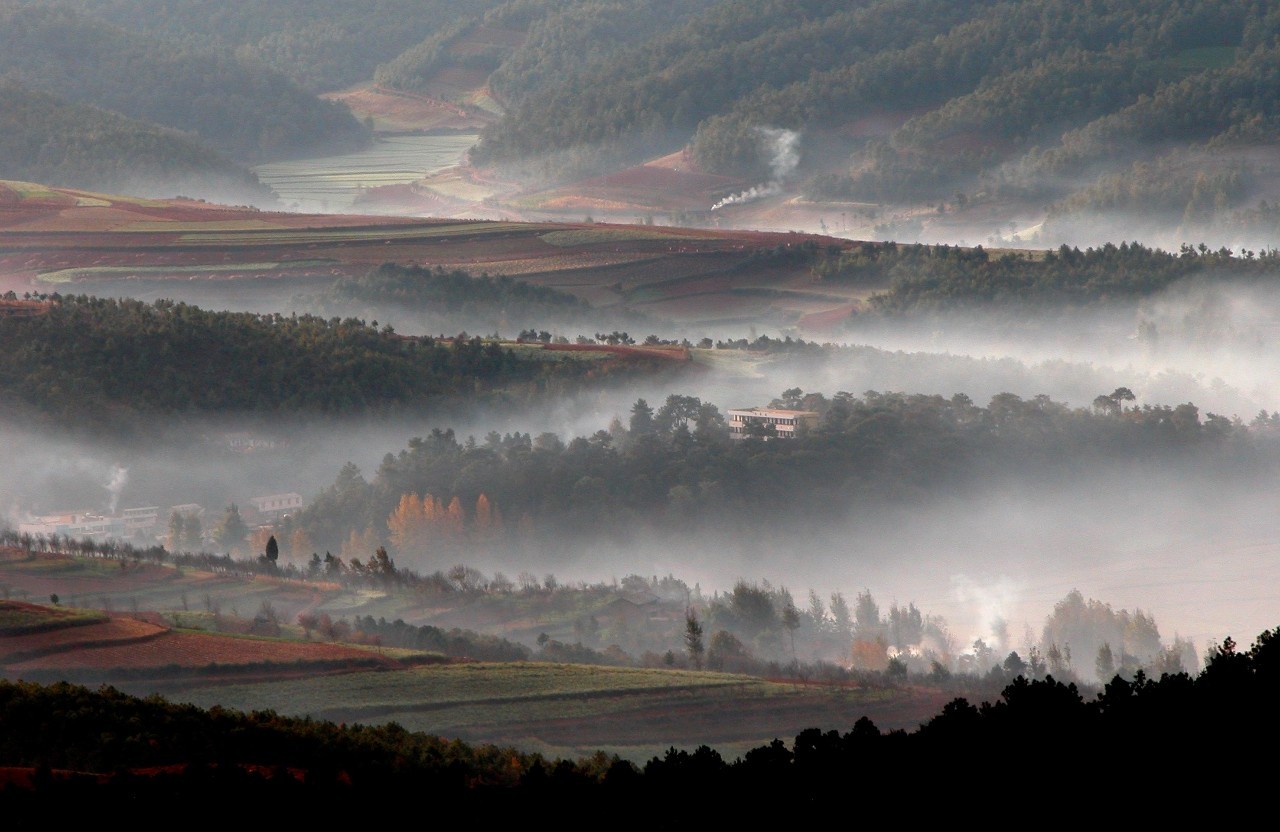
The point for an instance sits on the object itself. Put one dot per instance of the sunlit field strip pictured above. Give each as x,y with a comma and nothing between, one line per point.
457,685
324,235
67,275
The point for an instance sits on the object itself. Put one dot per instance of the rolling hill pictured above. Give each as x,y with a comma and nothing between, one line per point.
44,139
239,108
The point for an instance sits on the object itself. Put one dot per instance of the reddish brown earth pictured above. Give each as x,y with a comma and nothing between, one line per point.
64,229
137,647
652,187
399,111
159,648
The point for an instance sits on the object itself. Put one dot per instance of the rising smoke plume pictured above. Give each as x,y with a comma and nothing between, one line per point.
784,154
119,477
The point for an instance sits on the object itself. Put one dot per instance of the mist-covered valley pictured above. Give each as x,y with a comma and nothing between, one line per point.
640,377
1181,535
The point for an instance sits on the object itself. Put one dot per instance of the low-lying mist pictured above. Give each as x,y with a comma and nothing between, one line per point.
1194,549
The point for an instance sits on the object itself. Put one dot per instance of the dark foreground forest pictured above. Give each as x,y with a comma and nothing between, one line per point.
75,752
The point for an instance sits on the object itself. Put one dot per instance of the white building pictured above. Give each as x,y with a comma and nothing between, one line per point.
784,422
77,524
276,505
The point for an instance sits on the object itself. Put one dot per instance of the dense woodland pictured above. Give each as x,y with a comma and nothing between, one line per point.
1024,97
323,45
100,362
1118,110
53,142
134,751
435,300
674,468
922,279
238,107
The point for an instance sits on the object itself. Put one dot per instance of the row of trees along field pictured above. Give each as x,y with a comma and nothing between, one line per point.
448,299
130,358
920,278
755,628
669,466
173,756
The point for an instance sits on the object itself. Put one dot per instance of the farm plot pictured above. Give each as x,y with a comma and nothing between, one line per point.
333,183
66,645
159,656
574,710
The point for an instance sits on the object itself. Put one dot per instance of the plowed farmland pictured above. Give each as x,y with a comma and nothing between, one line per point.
54,644
55,239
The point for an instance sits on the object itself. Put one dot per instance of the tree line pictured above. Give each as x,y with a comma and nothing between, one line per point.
87,358
674,467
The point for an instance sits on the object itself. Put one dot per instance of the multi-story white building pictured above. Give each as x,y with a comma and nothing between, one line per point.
275,505
784,422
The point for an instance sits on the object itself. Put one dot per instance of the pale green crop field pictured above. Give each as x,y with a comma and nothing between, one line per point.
332,183
561,710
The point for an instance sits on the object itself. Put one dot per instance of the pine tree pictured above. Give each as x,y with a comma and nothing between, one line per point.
693,639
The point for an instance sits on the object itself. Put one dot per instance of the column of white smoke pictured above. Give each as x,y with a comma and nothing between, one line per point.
119,476
784,155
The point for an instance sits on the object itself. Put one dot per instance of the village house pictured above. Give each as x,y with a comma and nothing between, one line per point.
785,423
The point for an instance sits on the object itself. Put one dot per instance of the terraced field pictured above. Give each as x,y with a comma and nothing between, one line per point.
51,237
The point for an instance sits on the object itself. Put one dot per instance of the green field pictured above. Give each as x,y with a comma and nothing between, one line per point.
291,236
118,272
564,710
16,620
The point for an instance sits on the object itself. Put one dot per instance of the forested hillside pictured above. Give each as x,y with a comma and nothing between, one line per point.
944,278
323,45
126,358
914,100
46,140
1103,112
674,467
240,108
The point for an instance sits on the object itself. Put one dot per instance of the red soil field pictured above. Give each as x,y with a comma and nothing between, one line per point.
828,320
658,187
48,232
193,650
70,641
399,110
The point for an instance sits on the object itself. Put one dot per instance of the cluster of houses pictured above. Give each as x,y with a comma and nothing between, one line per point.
149,524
